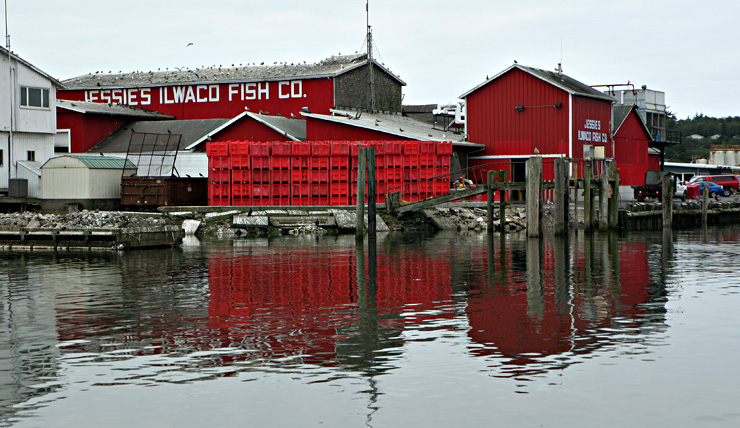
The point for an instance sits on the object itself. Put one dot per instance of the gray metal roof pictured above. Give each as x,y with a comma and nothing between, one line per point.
332,66
393,124
101,162
620,112
190,130
295,129
562,81
109,109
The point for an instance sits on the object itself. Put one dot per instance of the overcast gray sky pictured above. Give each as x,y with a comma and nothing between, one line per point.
441,49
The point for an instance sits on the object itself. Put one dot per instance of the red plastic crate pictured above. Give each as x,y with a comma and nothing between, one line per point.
393,161
411,174
300,190
298,162
299,175
427,159
241,162
238,148
300,200
427,147
410,161
339,200
444,148
241,201
320,149
240,176
319,200
261,191
319,189
339,175
261,176
217,148
301,148
241,190
319,162
219,162
339,161
393,148
281,176
259,148
427,172
339,188
340,148
281,190
280,162
410,148
318,176
220,176
282,148
219,190
261,162
441,187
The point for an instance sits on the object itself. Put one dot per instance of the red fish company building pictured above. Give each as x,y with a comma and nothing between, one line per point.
225,92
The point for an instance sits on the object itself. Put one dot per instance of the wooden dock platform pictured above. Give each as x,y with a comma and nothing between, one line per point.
89,239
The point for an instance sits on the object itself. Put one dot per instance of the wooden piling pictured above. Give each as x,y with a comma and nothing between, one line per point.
534,196
502,205
614,199
575,194
371,198
667,193
361,176
489,203
603,202
561,197
588,201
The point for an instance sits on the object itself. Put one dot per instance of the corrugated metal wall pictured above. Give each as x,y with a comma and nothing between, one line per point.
494,121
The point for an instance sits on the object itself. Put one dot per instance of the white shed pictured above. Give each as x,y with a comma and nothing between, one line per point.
85,180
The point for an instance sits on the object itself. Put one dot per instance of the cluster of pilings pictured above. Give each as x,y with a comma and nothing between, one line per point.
601,190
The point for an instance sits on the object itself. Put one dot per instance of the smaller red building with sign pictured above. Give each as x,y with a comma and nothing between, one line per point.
525,111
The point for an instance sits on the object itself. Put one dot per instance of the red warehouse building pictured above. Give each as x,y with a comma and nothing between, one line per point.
225,92
524,111
631,141
81,125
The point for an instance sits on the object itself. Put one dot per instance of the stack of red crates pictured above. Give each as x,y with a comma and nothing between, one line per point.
219,174
281,172
241,173
322,173
339,168
300,191
442,162
319,174
261,172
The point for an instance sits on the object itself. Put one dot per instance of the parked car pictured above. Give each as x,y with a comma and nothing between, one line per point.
696,189
729,183
680,192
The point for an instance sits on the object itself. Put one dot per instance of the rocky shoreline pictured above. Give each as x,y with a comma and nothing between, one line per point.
460,218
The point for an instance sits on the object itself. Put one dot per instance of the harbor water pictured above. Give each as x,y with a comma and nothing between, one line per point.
408,330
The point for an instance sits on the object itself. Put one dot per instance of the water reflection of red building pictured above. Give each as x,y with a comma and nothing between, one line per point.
307,301
561,306
304,300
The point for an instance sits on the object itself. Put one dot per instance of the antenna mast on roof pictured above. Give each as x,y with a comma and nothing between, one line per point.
7,34
371,86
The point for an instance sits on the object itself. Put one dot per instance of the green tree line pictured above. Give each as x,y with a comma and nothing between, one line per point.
726,128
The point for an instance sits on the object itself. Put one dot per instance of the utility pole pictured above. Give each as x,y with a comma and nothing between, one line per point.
11,95
371,86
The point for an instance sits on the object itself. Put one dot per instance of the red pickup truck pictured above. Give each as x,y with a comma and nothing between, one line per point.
730,183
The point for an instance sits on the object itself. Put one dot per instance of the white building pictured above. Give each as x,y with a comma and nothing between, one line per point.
27,114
